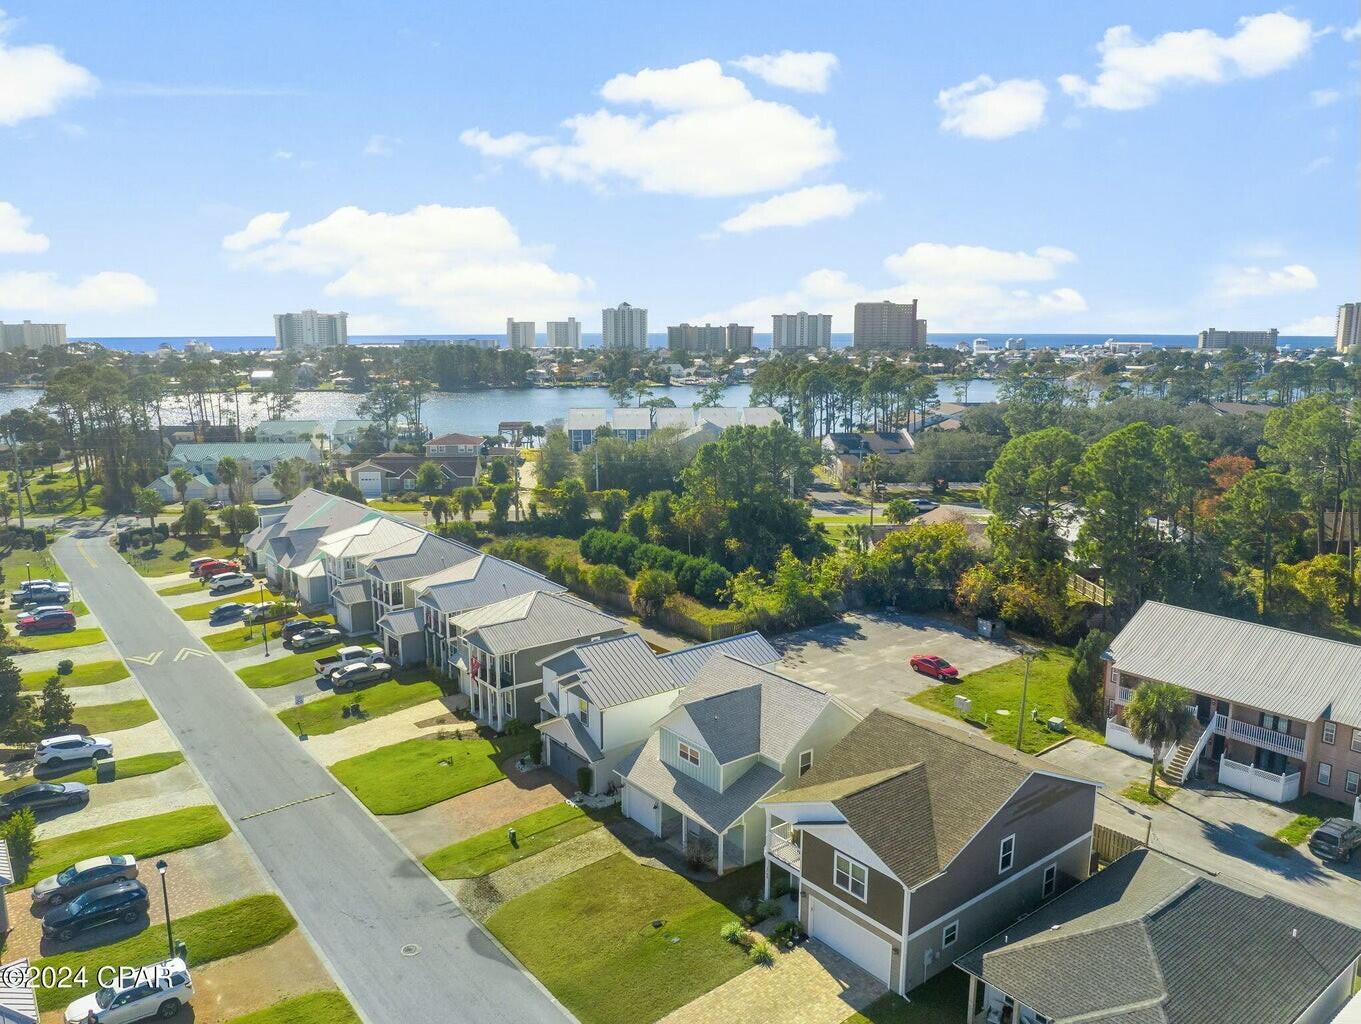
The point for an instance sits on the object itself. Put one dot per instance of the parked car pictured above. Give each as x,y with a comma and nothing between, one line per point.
48,619
311,639
226,581
43,796
159,990
358,673
1336,839
261,611
229,612
934,666
293,627
83,875
213,567
41,595
195,564
923,504
59,750
23,588
325,666
124,900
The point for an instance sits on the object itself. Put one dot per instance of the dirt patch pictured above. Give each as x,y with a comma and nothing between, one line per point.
433,828
229,988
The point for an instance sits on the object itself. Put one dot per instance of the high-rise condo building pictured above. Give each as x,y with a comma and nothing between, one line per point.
696,340
623,326
310,329
1213,340
1348,326
921,341
791,331
28,335
564,333
886,324
519,333
739,338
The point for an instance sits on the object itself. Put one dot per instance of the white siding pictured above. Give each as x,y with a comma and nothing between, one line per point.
631,723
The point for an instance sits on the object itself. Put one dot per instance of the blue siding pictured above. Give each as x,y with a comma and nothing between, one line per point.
707,772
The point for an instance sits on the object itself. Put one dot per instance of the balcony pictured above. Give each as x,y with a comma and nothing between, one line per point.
782,847
1267,785
1267,739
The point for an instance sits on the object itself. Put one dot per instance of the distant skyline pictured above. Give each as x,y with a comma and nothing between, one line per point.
1132,168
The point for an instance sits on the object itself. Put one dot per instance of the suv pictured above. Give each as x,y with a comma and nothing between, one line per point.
1336,839
125,901
156,991
293,627
225,581
82,875
60,749
48,619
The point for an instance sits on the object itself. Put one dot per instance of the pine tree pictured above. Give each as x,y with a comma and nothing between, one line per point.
57,709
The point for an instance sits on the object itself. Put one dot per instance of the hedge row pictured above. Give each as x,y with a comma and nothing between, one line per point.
701,578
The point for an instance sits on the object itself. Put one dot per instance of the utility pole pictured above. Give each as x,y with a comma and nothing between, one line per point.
1028,655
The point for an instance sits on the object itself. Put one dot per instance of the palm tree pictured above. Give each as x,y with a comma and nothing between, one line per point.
872,466
229,473
1158,717
181,478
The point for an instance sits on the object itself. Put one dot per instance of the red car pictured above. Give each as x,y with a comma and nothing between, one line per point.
46,620
934,666
216,567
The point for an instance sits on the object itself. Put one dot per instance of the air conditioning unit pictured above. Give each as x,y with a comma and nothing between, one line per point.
1056,724
963,705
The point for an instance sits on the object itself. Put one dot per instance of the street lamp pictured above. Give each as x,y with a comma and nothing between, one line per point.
28,567
1028,655
165,896
264,623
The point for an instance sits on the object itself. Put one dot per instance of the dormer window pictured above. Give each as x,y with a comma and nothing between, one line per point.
583,709
688,753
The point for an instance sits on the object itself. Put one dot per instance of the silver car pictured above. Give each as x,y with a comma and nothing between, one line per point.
82,875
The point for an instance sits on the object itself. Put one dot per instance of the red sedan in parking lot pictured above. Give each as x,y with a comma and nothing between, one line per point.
934,666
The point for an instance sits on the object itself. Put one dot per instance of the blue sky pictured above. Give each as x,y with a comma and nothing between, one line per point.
1118,167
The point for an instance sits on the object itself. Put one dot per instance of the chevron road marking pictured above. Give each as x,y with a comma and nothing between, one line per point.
149,659
190,652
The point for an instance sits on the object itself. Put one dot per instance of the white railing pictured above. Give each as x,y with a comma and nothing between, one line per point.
1269,739
1267,785
1124,694
782,847
1196,750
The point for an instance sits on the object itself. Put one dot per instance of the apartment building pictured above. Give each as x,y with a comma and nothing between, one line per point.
623,326
705,340
791,332
1278,713
1348,326
310,329
564,333
1213,340
739,338
519,333
886,325
28,336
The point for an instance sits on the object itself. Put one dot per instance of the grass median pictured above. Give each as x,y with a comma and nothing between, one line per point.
313,1008
61,641
535,833
326,714
96,673
126,714
210,935
146,764
204,610
282,669
407,776
171,556
141,837
238,638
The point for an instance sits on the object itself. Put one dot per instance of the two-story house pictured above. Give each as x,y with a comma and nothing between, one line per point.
289,431
345,557
1278,713
255,459
286,546
504,644
735,735
448,445
601,700
910,842
394,472
582,425
393,579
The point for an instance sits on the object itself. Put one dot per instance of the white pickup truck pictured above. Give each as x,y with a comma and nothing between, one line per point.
325,666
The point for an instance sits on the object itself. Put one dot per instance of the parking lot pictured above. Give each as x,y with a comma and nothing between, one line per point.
862,658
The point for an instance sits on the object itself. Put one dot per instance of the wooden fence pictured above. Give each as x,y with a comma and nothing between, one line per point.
1109,844
1087,590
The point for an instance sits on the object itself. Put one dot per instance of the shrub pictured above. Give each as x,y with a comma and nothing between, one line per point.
787,933
761,952
584,778
732,932
768,908
514,727
650,591
460,531
19,834
65,667
608,579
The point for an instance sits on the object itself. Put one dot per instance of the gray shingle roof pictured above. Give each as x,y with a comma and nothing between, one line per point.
434,554
750,647
1300,676
568,731
717,811
352,592
535,619
480,581
255,451
18,1001
614,671
402,622
1151,940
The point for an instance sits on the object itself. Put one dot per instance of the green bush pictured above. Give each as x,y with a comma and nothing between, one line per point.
608,579
19,834
65,667
761,952
732,932
584,778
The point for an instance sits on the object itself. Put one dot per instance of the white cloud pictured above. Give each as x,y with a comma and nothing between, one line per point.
952,297
263,227
14,233
1233,283
707,136
465,265
797,208
106,292
283,154
1322,326
1352,33
381,145
36,80
1134,73
1317,164
984,109
790,69
1324,97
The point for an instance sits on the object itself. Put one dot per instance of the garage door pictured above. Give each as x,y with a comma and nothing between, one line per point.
563,761
639,806
848,938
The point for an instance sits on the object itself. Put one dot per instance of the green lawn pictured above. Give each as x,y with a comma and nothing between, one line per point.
999,689
287,668
617,968
19,564
416,773
1299,829
192,587
175,554
95,673
146,764
321,716
396,506
12,614
314,1008
57,497
141,837
1138,792
490,851
223,931
238,638
61,641
942,1000
126,714
203,610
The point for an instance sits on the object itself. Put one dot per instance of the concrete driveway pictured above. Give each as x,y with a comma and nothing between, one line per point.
862,658
1219,830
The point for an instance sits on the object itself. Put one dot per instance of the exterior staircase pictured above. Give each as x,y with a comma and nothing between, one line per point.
1177,768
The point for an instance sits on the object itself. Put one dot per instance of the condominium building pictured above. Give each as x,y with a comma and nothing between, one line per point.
690,338
519,333
739,338
792,331
921,335
1348,326
886,325
310,329
623,326
28,335
1214,340
564,333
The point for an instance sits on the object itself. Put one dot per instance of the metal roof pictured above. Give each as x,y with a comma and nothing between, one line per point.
631,419
256,451
433,554
665,418
478,581
18,1002
351,593
568,731
372,537
1149,939
1293,674
535,619
585,419
615,670
750,647
402,622
717,811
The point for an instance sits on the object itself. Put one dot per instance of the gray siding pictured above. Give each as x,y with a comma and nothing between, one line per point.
884,893
708,772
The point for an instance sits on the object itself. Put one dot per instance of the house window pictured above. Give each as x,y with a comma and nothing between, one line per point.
1329,732
1353,783
1356,740
850,876
582,708
950,934
688,753
805,761
506,670
1325,773
507,703
1006,856
1051,881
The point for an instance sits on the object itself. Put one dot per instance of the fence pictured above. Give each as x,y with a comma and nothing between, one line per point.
1087,590
1109,844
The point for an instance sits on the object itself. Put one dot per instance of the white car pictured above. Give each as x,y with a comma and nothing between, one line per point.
922,504
229,581
159,990
60,749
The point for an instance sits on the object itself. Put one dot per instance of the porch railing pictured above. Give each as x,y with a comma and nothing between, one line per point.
1269,739
780,844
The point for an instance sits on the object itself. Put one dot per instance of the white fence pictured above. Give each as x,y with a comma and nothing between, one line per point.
1267,785
1120,738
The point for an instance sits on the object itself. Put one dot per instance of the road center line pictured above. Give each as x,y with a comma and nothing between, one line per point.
281,807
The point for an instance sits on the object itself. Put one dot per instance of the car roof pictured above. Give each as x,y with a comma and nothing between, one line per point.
1338,825
122,885
92,862
60,739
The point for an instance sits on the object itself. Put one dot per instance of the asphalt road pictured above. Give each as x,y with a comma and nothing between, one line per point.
362,899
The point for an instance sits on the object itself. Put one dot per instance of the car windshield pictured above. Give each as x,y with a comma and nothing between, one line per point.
67,877
104,998
1325,838
79,903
